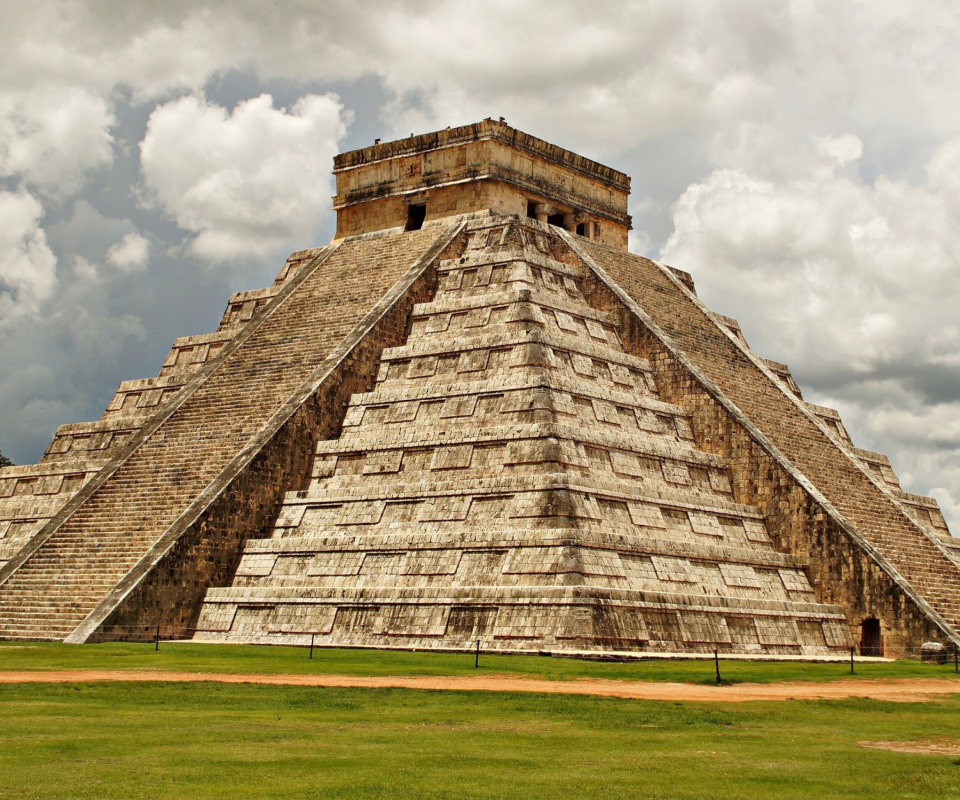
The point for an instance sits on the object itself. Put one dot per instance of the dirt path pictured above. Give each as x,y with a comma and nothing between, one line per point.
897,690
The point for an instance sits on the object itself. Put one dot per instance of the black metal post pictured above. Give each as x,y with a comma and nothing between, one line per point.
851,661
311,645
476,661
716,663
157,641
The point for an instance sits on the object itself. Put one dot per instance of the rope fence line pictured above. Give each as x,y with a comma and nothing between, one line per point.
931,652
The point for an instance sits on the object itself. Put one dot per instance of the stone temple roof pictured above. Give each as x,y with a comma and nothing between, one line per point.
488,167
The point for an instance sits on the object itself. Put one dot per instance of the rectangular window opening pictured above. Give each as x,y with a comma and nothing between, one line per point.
416,214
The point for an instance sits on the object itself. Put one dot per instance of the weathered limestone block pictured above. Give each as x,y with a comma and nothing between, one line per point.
933,653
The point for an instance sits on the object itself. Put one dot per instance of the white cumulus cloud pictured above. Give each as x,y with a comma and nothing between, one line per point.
130,254
27,264
853,284
247,182
842,149
51,137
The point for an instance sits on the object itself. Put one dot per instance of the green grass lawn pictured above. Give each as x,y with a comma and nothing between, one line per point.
205,740
248,658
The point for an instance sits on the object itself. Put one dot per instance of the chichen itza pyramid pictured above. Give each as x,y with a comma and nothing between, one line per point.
474,416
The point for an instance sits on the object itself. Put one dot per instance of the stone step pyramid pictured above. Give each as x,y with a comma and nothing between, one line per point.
474,417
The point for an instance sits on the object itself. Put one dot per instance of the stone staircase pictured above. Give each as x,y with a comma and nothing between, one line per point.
78,560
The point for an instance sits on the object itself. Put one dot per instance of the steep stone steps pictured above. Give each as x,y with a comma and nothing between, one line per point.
129,511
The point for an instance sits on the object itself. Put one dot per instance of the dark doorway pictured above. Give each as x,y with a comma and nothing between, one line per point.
870,643
531,209
582,229
415,217
556,219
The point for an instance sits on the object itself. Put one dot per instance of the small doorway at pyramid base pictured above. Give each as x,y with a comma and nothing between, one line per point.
871,643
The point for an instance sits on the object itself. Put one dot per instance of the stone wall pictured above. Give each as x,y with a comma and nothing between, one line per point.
484,167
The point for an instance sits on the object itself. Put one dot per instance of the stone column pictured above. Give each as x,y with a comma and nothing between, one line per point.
543,211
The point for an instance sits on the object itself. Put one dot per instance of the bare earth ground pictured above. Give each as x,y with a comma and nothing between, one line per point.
895,689
943,747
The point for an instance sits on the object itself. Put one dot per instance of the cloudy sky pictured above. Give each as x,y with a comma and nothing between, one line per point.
801,159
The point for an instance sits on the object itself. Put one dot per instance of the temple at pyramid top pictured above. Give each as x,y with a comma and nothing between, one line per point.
487,166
